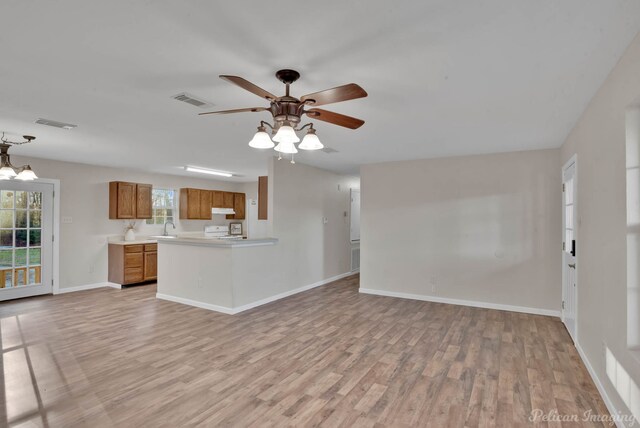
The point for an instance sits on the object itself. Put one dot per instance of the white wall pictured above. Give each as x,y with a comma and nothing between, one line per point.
300,196
84,196
599,140
476,228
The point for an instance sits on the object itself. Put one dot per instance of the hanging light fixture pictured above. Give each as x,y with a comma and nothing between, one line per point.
261,140
8,171
311,141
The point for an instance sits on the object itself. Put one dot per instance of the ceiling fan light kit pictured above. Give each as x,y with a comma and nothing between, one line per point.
7,170
287,112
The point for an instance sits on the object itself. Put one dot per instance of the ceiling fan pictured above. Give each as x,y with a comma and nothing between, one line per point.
287,112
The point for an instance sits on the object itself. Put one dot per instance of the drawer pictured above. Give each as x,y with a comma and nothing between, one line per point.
133,260
133,248
133,275
150,247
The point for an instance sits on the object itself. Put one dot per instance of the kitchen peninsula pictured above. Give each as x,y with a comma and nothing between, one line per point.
227,276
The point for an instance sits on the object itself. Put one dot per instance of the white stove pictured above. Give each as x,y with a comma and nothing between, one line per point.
219,232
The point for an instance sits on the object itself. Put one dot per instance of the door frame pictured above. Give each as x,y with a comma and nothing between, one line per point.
572,160
55,266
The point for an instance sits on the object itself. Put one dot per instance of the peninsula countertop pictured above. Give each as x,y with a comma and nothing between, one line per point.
201,241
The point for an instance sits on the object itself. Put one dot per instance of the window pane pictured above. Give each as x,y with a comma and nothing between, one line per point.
6,258
568,191
8,278
34,275
21,237
34,256
21,218
6,198
21,200
20,277
34,238
6,218
21,257
6,238
35,218
35,200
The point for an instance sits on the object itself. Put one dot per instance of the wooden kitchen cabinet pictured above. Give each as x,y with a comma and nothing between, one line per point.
228,200
217,199
239,206
263,197
129,201
133,263
195,204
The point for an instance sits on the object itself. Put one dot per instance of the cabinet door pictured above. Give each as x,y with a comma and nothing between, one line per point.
122,200
239,205
205,205
150,265
217,199
143,205
193,204
228,200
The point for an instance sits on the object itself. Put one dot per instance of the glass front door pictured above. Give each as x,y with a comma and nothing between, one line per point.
26,219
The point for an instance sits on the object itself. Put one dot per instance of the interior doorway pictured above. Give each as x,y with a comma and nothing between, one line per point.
26,239
569,247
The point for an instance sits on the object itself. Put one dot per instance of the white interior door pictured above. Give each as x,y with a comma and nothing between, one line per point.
26,239
569,256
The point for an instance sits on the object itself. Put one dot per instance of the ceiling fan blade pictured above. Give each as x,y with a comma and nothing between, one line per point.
335,95
335,118
245,84
237,110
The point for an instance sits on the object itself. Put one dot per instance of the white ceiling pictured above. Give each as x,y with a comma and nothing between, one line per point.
443,77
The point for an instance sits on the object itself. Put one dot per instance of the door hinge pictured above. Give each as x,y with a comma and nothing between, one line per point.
53,238
54,193
563,246
563,304
563,187
52,282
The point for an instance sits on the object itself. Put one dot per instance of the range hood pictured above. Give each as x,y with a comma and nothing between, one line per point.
222,211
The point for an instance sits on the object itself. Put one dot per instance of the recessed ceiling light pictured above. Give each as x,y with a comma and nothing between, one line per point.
56,124
207,171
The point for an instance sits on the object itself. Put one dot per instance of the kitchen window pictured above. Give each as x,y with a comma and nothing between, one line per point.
163,205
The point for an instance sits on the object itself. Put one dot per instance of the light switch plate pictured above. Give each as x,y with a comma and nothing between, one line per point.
325,220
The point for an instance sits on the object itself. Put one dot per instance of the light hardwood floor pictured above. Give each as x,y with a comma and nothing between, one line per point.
329,356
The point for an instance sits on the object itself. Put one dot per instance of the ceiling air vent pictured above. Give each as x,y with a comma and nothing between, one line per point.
56,124
190,99
329,150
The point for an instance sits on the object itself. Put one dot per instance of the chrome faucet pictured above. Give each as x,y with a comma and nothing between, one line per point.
165,227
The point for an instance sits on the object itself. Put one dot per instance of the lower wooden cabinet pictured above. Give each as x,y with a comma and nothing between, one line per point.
133,263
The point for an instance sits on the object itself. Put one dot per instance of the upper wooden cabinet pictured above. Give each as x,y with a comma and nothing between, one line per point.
195,204
129,200
228,200
217,199
239,205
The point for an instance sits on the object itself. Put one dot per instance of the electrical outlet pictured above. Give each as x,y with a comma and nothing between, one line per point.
67,220
325,220
92,268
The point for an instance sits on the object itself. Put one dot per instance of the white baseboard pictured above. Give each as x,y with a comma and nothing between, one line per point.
87,287
197,304
238,309
603,392
472,303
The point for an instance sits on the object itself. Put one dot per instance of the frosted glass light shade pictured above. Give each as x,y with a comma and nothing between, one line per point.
311,142
7,171
26,174
286,147
261,141
286,134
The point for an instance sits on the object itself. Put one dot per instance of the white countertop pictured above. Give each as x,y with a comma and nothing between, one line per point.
136,242
201,241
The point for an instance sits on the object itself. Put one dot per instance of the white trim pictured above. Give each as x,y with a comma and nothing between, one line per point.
197,304
472,303
87,287
55,268
573,160
238,309
603,392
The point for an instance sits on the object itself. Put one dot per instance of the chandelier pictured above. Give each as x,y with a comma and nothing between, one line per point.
286,137
8,171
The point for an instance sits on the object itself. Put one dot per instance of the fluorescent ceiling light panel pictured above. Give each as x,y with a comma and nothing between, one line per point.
207,171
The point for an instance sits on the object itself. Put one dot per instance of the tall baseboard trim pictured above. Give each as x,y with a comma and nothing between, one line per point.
472,303
238,309
596,379
88,287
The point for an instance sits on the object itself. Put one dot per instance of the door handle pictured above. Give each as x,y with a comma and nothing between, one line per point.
572,265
